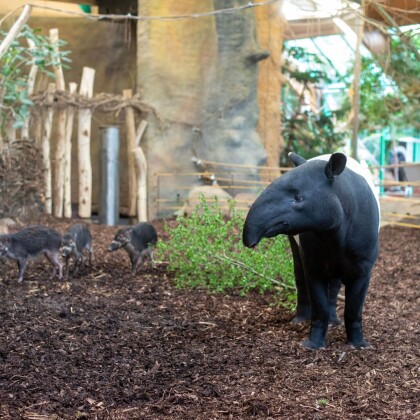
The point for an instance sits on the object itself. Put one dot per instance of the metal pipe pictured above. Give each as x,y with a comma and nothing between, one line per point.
109,185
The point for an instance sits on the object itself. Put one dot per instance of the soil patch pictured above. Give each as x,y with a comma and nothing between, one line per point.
106,345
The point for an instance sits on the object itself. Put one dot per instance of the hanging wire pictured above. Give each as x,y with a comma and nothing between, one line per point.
129,16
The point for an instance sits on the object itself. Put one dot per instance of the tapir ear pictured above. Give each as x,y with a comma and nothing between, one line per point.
296,159
335,166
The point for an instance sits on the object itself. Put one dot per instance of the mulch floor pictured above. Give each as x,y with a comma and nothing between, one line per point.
106,345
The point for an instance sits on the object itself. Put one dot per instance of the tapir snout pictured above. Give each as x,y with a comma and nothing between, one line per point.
256,228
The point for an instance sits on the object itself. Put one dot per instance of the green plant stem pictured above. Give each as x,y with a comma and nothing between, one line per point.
241,264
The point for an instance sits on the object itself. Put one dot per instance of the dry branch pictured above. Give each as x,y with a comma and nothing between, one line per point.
21,180
16,28
241,264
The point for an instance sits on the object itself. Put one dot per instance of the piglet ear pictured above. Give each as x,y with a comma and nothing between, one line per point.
335,166
296,159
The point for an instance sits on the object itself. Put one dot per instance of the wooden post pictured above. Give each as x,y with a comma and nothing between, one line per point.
67,155
59,162
37,127
30,85
45,147
83,139
131,144
356,91
10,131
141,163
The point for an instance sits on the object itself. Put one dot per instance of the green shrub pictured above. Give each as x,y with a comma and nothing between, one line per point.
205,250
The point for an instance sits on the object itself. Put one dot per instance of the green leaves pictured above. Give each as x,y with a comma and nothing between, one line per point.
306,131
205,250
14,72
389,93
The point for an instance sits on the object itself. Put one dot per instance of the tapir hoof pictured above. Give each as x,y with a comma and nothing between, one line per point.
309,344
335,322
360,344
299,319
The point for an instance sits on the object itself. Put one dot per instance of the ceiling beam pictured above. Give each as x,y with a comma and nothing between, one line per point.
87,2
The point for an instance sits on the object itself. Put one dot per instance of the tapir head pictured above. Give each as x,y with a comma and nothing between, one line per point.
301,200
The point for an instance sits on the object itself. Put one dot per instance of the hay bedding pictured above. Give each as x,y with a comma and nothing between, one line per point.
109,346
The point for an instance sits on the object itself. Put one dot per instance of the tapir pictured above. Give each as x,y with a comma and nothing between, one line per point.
329,208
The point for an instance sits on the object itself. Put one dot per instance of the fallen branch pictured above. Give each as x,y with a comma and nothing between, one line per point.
241,264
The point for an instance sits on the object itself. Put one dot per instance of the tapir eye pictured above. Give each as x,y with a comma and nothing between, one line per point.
298,198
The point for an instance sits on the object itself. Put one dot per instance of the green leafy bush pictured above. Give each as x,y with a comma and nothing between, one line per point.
205,250
304,131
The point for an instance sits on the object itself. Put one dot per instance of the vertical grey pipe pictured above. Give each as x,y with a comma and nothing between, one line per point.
109,163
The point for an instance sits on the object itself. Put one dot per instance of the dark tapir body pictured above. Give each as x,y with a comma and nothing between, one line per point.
334,210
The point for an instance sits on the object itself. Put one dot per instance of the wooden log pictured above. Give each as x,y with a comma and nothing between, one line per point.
67,155
15,29
59,162
141,164
30,85
45,146
131,144
58,69
83,145
140,131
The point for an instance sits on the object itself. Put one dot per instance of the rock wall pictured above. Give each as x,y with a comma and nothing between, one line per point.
201,74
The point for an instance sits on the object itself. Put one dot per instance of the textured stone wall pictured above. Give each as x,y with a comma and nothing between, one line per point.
202,76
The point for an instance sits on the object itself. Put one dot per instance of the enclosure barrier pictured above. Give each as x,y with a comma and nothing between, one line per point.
234,182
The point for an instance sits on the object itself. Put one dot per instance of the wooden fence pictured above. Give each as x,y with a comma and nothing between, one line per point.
60,107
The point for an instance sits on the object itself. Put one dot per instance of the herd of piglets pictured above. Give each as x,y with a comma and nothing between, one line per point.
138,241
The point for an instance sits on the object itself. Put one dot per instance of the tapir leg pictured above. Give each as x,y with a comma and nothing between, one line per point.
303,308
356,290
333,290
318,294
22,263
55,261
